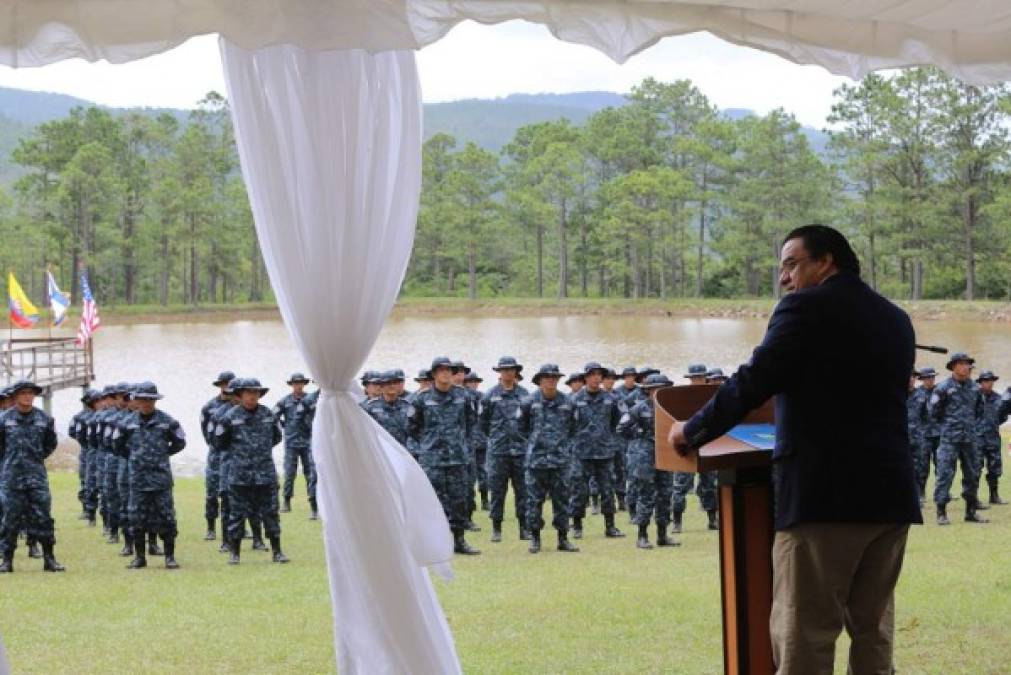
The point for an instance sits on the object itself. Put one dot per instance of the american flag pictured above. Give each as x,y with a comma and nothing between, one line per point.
89,313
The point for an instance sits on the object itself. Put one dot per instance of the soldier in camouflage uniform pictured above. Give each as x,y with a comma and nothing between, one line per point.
995,413
596,416
27,437
546,419
928,427
507,445
212,471
370,383
478,447
480,444
653,487
295,412
575,382
956,403
222,451
97,456
618,470
683,481
913,425
442,424
146,439
393,413
424,381
78,430
249,431
110,472
123,481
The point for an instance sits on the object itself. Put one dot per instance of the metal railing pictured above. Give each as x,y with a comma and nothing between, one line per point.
51,363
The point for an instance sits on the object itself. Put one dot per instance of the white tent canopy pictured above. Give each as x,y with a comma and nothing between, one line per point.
971,39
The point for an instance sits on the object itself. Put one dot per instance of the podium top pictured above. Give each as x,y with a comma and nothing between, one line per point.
726,452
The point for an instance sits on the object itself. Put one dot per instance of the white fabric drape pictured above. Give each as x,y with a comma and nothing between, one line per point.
971,39
330,146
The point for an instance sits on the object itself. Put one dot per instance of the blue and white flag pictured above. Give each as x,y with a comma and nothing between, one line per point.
58,300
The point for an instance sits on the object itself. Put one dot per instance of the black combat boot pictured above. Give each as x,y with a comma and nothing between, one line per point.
113,535
235,548
642,541
152,544
7,564
994,495
471,526
535,541
484,500
677,521
496,531
577,528
461,546
942,515
170,553
524,533
275,546
211,534
595,505
563,543
33,548
91,519
139,561
127,545
621,502
49,563
225,547
970,511
610,531
286,507
661,536
313,509
714,521
257,528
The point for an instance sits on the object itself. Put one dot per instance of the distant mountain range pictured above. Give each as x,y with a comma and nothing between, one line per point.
491,123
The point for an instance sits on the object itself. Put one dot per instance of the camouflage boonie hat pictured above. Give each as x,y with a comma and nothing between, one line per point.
224,377
548,370
14,388
656,381
696,370
926,373
987,375
472,376
248,384
146,391
298,378
957,357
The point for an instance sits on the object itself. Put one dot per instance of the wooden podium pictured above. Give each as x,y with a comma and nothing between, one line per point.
746,524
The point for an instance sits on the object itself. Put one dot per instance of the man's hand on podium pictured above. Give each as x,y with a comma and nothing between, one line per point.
676,437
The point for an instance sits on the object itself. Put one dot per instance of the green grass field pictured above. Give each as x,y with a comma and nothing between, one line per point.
608,609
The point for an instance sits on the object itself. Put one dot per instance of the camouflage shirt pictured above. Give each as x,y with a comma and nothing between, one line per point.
913,403
395,418
295,416
547,424
25,442
958,407
639,426
207,414
995,413
78,428
248,438
442,425
499,422
926,424
596,417
147,442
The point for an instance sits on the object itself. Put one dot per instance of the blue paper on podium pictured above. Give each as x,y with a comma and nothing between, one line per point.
759,436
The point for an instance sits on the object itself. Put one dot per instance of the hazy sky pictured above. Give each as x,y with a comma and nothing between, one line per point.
476,61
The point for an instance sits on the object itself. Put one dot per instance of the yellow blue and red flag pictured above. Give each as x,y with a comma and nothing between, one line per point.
23,312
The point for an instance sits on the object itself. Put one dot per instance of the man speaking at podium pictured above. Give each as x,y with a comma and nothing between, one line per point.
844,487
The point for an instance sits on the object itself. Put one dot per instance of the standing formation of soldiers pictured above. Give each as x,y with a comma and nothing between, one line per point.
957,424
592,446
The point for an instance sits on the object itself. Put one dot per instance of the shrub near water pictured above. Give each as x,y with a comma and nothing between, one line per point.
608,609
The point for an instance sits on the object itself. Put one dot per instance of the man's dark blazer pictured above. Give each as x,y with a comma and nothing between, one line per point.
837,357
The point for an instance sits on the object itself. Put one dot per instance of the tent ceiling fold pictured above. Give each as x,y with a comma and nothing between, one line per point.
969,39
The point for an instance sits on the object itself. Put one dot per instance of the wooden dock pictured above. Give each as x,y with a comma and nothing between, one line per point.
52,363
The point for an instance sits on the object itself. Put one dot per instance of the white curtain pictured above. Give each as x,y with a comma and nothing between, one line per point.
330,145
971,39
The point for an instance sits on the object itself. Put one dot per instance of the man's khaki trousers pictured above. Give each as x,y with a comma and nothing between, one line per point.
827,576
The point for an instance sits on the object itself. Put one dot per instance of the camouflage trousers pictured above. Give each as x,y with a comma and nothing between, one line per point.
541,483
123,484
950,454
212,492
256,503
653,490
503,470
706,490
450,484
990,455
153,511
599,470
620,472
94,470
292,456
481,455
110,490
82,476
471,482
631,493
25,509
925,453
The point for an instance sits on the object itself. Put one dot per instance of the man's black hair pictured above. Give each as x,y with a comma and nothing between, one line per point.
820,240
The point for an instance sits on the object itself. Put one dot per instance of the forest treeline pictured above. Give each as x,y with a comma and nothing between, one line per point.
663,197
